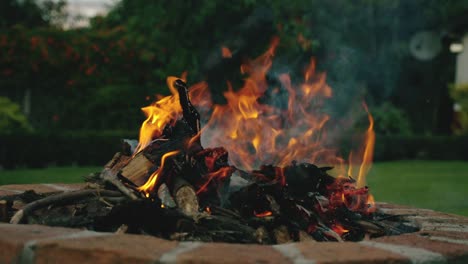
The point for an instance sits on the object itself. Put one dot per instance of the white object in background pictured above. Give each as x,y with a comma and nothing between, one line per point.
425,45
461,75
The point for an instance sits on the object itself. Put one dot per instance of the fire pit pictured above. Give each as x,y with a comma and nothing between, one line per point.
269,176
443,238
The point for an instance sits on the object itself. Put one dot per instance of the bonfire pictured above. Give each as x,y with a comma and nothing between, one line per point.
244,172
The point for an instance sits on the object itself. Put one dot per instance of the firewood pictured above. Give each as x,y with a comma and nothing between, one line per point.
117,162
137,169
281,234
261,235
303,236
111,178
123,229
189,112
61,198
165,196
185,197
3,211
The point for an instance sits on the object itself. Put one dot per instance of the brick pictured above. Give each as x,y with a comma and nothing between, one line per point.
20,188
438,219
347,252
39,188
452,235
232,253
103,249
14,237
392,206
452,252
8,192
418,213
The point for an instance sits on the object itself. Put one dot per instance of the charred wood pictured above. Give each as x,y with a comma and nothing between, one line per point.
62,198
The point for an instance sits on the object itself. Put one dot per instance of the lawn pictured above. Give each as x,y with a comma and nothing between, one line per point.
49,175
439,185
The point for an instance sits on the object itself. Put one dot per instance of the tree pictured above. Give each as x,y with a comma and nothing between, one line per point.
31,13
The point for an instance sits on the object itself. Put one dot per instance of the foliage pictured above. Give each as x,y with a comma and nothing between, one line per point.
31,13
460,94
11,118
95,148
76,68
65,148
390,120
109,70
421,147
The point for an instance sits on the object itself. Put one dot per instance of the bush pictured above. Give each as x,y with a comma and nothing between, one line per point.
97,147
390,120
421,147
460,94
64,149
11,118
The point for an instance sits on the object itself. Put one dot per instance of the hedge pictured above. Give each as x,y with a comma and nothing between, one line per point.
97,147
421,147
37,150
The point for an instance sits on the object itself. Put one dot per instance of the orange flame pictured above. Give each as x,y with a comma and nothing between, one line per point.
148,187
225,52
263,214
219,174
257,133
339,229
368,150
364,155
159,114
371,208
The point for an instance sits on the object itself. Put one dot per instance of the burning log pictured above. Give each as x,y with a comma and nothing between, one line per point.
176,137
190,113
185,197
137,169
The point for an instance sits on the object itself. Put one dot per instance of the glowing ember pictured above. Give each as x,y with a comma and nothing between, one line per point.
263,214
339,229
226,53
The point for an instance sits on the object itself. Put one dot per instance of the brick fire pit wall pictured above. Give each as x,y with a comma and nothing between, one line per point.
443,239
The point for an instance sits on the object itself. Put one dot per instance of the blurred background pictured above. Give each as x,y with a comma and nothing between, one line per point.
74,75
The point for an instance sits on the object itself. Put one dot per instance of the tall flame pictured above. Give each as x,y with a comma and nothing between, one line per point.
368,150
159,114
255,132
364,154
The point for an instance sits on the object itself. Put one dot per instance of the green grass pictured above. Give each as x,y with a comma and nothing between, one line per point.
49,175
438,185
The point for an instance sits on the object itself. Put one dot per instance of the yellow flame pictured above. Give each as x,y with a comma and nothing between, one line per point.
148,187
159,114
368,151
